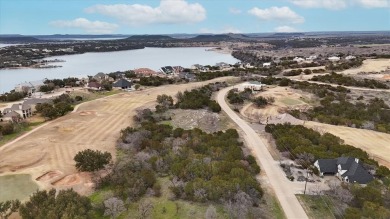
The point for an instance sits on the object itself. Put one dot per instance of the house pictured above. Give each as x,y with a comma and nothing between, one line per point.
101,76
29,87
33,102
144,72
350,57
334,59
12,117
253,85
200,68
167,69
23,109
311,58
347,169
187,76
222,65
94,85
266,64
178,69
298,59
122,84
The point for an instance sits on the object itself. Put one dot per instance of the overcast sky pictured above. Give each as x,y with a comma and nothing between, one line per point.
191,16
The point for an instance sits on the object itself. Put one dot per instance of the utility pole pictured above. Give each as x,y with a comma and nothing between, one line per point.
307,176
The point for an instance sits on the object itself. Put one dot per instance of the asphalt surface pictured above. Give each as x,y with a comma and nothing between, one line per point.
278,181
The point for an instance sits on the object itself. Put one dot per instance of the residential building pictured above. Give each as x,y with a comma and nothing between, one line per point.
266,64
347,169
144,72
167,70
29,87
33,102
298,59
11,117
94,85
253,85
222,65
23,109
122,84
188,76
350,57
334,59
101,76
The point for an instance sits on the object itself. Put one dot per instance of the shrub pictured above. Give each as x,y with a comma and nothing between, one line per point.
89,160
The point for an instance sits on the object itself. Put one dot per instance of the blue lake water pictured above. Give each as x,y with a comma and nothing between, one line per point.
92,63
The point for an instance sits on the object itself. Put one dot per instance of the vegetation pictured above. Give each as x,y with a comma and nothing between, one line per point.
344,65
8,207
60,106
155,81
90,160
12,96
48,205
204,76
341,79
235,97
262,101
199,98
298,140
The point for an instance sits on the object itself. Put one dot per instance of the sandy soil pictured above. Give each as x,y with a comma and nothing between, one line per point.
47,153
370,65
377,144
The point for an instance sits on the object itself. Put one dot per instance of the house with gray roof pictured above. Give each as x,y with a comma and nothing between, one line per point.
348,169
122,84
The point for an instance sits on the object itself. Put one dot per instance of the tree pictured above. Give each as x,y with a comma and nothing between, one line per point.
137,86
260,101
89,160
144,209
114,207
78,98
7,128
48,205
62,108
382,171
8,207
211,213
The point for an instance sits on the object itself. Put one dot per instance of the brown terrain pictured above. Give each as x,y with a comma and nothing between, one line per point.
377,144
47,152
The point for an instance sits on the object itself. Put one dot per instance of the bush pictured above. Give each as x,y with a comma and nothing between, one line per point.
7,128
78,98
89,160
261,101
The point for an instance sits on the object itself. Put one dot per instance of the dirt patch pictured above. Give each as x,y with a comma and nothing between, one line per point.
203,119
68,180
50,175
370,65
87,113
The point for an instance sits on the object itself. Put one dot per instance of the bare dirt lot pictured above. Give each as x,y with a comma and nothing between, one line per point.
370,65
377,144
47,153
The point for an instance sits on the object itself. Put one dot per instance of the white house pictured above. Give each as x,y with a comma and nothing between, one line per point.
253,85
311,58
334,59
266,64
298,59
350,57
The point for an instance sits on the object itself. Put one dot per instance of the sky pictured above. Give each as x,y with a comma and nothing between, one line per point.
34,17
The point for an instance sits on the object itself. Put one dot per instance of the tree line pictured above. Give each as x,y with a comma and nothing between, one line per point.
341,79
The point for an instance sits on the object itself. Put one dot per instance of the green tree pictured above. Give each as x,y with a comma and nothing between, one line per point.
8,207
90,160
65,205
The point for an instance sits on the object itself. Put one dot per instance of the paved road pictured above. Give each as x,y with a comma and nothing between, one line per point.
282,187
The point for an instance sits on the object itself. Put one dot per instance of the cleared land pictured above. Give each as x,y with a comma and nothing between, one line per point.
47,153
377,144
370,65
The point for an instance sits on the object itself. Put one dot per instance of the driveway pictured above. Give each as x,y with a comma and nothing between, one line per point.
282,186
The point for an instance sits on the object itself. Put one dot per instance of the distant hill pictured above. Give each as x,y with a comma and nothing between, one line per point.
210,38
150,38
18,39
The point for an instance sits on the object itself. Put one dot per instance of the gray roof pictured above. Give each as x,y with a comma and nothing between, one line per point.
20,106
357,173
122,83
12,114
345,162
327,165
36,101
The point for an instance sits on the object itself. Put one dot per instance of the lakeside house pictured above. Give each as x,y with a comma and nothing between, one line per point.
187,76
266,64
223,65
94,86
347,169
199,68
21,110
30,87
144,72
122,84
167,70
101,76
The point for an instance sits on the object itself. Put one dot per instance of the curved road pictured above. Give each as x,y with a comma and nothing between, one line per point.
282,187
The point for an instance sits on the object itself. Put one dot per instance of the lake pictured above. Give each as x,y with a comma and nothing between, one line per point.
92,63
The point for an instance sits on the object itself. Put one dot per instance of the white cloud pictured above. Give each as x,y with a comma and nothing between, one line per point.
235,11
329,4
86,25
282,14
285,29
168,12
374,3
224,30
340,4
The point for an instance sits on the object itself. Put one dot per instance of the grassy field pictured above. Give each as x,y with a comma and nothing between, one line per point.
317,206
20,131
16,187
290,101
